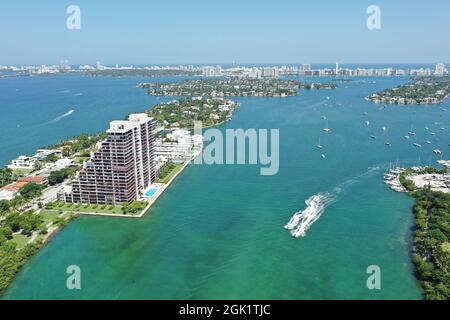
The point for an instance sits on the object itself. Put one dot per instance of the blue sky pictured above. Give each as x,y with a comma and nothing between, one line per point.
223,31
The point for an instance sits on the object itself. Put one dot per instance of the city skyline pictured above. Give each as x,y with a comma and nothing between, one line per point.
209,33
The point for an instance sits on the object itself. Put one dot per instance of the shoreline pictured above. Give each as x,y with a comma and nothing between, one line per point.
427,228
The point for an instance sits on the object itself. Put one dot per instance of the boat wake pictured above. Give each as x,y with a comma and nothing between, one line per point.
68,113
302,220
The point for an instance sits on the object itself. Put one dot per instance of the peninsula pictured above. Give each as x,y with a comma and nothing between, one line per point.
431,250
423,90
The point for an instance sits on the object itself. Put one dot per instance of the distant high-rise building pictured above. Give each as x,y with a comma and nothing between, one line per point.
212,71
99,66
121,168
336,70
440,69
270,72
306,67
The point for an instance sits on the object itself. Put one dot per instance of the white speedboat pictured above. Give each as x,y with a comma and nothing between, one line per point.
319,145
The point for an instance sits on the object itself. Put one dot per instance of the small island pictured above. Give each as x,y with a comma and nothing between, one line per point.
182,113
232,87
424,90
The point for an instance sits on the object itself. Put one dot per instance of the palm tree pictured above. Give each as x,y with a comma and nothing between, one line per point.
6,176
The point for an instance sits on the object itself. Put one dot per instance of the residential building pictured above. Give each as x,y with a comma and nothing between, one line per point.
23,162
34,179
439,69
121,168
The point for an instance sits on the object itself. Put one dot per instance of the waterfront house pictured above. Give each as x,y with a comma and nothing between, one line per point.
23,162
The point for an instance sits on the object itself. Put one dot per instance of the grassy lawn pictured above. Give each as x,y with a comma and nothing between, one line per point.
87,208
22,172
172,173
20,240
81,160
48,216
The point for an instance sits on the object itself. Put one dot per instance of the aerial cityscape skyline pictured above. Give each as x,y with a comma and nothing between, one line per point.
207,150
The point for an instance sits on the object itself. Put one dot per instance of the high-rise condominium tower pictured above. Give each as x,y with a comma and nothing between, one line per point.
120,168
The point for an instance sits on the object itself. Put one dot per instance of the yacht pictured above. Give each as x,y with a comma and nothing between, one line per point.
373,137
428,142
388,143
437,152
407,137
417,145
367,123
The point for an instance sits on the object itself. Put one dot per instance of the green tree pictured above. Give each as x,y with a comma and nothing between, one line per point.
6,176
51,158
4,206
31,190
6,232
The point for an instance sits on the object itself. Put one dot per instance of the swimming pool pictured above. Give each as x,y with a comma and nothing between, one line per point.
151,192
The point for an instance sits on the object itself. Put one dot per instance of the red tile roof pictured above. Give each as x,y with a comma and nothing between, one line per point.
34,179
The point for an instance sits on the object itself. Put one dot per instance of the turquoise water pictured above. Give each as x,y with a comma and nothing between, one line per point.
217,232
151,192
35,110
